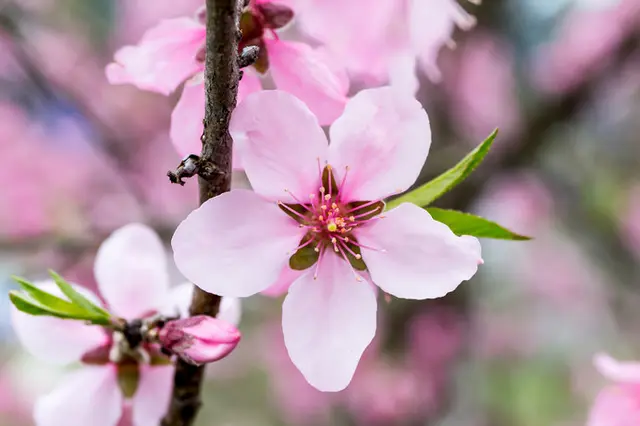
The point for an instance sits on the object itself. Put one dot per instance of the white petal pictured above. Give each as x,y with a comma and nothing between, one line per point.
384,138
280,144
131,270
89,396
235,244
328,322
422,258
153,394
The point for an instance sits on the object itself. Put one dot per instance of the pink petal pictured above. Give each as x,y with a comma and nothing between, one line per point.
286,278
131,270
235,244
280,143
186,118
616,406
359,38
431,25
402,72
230,310
165,57
617,371
249,84
199,339
328,322
178,300
391,131
422,258
296,68
56,340
89,396
153,394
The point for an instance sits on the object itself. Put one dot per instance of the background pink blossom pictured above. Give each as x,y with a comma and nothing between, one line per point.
81,157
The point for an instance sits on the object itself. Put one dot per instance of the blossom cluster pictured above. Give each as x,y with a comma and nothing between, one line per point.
315,224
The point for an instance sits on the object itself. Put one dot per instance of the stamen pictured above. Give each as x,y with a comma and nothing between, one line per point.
312,197
330,180
362,206
355,243
353,253
297,200
344,179
309,241
346,259
292,210
315,274
335,244
365,214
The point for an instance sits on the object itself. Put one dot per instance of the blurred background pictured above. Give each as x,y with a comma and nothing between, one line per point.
512,347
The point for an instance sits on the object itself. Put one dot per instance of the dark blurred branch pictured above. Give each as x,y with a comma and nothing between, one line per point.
524,150
221,87
115,149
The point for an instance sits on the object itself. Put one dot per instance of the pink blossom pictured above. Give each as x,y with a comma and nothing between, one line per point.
585,38
173,52
387,394
130,270
387,41
483,88
200,339
618,404
321,205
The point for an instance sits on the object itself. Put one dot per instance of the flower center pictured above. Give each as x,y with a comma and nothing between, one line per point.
330,221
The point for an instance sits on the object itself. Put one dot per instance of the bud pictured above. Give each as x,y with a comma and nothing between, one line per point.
200,339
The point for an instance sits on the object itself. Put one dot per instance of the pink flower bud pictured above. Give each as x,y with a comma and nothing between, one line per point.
200,339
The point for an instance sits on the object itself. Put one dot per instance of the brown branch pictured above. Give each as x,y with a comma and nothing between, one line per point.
221,87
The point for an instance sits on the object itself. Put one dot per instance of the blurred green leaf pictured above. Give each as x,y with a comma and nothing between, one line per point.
35,301
31,307
534,392
435,188
44,298
467,224
77,298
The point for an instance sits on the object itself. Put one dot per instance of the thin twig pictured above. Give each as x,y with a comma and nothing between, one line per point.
221,87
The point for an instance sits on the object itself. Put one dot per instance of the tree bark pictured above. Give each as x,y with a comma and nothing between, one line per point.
221,87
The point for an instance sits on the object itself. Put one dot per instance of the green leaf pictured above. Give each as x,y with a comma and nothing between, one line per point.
476,226
26,304
76,298
35,301
435,188
46,299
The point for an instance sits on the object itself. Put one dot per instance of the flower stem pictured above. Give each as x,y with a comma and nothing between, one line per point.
221,87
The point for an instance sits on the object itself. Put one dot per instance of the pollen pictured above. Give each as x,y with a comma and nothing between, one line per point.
332,227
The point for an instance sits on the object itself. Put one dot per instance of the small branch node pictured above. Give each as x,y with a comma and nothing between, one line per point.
248,56
187,168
